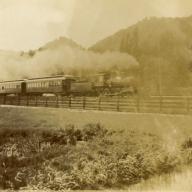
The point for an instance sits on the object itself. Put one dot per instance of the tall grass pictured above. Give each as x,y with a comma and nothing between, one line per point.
90,157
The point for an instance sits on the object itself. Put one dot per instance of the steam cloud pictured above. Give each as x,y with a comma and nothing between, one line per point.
63,60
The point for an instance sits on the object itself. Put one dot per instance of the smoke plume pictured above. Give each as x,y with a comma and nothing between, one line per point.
62,60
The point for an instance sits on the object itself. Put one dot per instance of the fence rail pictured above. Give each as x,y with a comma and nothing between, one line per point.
169,105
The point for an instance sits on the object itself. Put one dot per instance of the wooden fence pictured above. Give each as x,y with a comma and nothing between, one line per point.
169,105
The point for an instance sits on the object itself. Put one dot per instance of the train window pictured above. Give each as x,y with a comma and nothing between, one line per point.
50,83
58,83
3,87
46,84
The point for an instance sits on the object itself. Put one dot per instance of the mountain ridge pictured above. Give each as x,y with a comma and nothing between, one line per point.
162,46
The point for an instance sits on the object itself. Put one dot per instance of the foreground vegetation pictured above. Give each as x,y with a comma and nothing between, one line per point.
89,157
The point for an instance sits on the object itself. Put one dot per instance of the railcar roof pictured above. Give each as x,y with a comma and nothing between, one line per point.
58,77
13,81
52,77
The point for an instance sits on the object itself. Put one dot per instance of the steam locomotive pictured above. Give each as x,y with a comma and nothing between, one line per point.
66,85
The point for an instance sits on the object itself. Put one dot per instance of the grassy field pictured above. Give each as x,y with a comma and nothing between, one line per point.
59,149
54,118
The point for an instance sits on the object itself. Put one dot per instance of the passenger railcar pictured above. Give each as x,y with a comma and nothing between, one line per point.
56,85
12,87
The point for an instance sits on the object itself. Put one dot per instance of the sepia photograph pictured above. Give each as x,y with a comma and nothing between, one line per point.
96,95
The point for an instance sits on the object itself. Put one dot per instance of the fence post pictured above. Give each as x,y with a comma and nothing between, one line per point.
57,101
138,104
27,100
18,101
118,107
188,104
4,99
62,101
46,101
160,103
84,102
69,101
99,103
35,100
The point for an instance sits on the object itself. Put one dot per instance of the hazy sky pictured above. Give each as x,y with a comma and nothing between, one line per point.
28,24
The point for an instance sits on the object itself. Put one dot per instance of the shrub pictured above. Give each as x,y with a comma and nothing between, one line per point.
90,157
93,130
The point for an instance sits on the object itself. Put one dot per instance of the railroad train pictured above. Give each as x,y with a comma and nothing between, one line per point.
66,85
